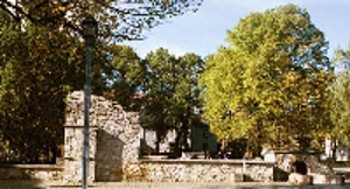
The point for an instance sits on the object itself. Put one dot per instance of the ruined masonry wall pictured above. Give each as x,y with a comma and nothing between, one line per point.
206,171
114,140
114,151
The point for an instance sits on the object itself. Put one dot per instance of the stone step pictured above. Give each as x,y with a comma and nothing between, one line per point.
299,179
315,178
327,179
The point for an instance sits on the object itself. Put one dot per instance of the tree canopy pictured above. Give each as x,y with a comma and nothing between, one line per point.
33,88
172,89
269,84
43,60
340,98
125,77
118,19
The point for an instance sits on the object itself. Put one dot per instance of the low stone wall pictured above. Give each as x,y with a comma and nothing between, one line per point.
205,171
31,172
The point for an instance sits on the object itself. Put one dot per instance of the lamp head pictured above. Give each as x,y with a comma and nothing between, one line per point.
90,28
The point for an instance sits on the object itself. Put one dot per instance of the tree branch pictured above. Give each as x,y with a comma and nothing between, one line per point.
16,18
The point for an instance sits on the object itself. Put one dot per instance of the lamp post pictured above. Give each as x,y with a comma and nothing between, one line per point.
89,25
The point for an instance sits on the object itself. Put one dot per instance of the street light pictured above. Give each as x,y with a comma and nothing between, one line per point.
89,25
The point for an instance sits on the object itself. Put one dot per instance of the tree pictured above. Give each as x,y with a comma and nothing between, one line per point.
33,88
126,77
340,98
159,87
185,103
42,60
118,19
269,84
172,89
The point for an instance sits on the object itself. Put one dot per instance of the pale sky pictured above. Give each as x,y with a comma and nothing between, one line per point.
204,31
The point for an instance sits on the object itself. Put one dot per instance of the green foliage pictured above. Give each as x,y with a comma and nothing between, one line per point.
126,77
269,84
118,20
38,67
172,91
340,98
185,103
42,60
159,86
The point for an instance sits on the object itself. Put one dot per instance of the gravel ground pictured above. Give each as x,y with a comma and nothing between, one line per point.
40,185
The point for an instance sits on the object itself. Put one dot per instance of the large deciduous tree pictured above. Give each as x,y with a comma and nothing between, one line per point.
160,83
125,77
172,90
269,84
34,81
118,19
185,104
42,60
340,98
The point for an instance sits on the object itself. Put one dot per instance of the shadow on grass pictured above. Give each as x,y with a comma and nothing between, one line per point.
19,184
29,176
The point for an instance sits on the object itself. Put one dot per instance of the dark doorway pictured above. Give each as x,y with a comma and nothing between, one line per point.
299,167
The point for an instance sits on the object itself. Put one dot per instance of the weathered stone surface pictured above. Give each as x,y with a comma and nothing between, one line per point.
205,171
299,179
73,146
114,139
327,179
318,173
285,162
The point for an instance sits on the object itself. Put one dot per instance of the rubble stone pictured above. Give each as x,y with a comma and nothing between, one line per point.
113,142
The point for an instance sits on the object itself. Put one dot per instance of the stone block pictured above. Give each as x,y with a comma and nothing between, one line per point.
327,179
298,179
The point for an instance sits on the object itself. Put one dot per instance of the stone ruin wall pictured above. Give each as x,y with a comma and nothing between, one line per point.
285,161
114,151
318,172
114,140
114,155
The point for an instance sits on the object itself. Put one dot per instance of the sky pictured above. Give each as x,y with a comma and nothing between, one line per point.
202,32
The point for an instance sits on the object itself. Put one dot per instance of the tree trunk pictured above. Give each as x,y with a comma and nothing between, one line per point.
157,142
334,149
177,147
